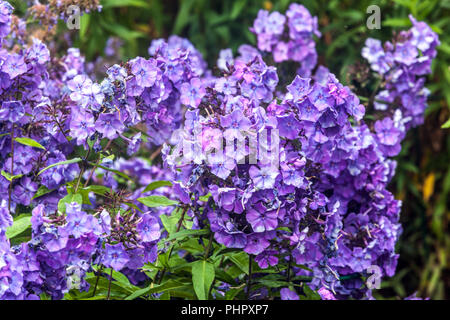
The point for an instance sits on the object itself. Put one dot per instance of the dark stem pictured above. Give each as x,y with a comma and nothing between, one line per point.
59,126
289,268
208,248
249,280
99,272
96,165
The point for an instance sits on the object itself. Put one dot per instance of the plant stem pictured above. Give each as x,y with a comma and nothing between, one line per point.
208,248
289,268
12,169
99,272
109,285
96,165
249,280
180,222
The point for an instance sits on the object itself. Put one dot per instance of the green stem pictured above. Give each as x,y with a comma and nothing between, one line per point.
12,169
109,285
180,222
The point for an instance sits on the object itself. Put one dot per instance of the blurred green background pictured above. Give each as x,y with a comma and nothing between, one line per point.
423,174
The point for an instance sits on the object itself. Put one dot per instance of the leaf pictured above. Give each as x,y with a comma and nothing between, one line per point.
29,142
446,125
43,190
123,175
273,283
166,286
205,197
101,190
202,278
19,225
187,233
157,184
84,26
397,22
238,6
157,201
183,16
125,3
71,197
9,177
240,259
74,160
309,294
170,221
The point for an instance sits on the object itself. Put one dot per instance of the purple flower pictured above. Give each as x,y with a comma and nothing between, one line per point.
289,127
78,222
263,178
225,59
145,71
14,66
262,220
108,125
115,256
373,50
237,125
288,294
192,93
12,111
326,294
149,228
39,52
266,259
299,88
82,125
256,243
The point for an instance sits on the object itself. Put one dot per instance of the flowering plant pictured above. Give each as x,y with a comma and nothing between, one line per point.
166,179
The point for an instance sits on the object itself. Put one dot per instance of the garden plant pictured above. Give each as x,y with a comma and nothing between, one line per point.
163,176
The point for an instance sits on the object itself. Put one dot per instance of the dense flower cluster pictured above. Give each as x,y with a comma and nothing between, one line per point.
289,36
402,65
293,173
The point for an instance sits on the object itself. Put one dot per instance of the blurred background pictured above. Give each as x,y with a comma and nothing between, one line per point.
423,174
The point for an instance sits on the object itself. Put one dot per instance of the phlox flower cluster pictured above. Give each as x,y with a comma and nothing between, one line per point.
289,37
289,174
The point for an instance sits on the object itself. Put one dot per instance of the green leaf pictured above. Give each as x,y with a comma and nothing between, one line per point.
71,197
184,16
84,26
205,197
166,286
240,259
170,221
9,177
238,6
100,190
29,142
202,278
123,175
21,224
125,3
157,201
446,125
157,184
309,294
43,190
187,233
74,160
